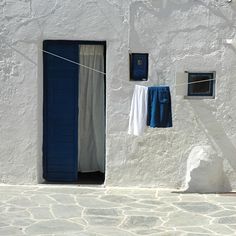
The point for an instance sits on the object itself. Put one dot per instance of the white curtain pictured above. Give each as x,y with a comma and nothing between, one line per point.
91,110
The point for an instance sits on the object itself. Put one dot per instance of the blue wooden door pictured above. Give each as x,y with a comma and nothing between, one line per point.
60,145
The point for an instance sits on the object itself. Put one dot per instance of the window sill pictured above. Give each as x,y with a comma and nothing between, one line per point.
199,97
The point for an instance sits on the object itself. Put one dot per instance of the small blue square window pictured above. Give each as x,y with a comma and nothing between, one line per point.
201,84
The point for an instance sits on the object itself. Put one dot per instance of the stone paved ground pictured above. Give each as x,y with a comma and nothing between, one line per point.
79,211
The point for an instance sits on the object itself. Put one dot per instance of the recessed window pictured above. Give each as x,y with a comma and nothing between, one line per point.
201,84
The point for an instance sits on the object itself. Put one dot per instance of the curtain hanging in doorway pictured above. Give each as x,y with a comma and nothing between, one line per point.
91,110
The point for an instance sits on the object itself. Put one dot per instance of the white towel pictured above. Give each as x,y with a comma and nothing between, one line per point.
138,111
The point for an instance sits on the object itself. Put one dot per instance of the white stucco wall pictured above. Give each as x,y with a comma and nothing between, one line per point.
179,35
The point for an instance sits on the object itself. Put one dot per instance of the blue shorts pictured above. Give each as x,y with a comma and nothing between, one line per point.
159,107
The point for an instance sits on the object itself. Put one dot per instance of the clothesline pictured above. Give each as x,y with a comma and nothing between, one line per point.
195,82
79,64
55,55
90,68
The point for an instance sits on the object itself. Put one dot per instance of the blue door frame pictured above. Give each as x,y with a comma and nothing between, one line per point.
60,110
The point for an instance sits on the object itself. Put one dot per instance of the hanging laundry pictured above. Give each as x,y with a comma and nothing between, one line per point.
138,111
159,107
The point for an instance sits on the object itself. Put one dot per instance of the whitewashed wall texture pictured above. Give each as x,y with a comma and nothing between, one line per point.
179,35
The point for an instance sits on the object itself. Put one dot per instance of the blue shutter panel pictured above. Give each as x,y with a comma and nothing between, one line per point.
60,112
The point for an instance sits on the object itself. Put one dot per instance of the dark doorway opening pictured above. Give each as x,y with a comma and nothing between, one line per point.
91,178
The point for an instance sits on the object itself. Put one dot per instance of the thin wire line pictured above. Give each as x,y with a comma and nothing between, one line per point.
195,82
55,55
87,67
63,58
21,53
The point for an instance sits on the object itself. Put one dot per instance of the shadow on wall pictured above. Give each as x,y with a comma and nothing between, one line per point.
205,172
217,10
216,135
